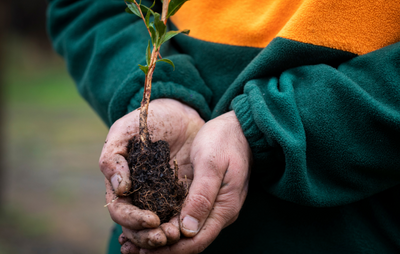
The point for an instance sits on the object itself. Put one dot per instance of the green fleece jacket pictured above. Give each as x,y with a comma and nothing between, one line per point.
314,84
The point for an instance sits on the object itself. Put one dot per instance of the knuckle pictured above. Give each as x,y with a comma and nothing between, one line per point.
211,161
104,164
158,239
202,203
137,238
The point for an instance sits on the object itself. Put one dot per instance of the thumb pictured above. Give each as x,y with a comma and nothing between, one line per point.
112,160
203,192
115,169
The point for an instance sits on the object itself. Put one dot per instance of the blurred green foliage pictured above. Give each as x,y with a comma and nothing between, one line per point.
54,191
37,78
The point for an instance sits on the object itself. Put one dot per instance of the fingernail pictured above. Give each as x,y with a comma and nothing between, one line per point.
115,180
190,223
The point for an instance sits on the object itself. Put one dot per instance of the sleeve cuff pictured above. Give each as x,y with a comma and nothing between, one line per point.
258,144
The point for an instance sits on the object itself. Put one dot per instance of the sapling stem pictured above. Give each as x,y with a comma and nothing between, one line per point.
158,35
144,106
148,162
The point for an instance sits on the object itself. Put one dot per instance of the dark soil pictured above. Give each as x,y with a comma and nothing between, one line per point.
155,185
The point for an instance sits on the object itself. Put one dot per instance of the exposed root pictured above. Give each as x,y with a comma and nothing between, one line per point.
155,184
111,202
129,193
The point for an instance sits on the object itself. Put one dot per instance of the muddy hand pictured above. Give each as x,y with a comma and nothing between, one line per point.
168,120
170,229
221,158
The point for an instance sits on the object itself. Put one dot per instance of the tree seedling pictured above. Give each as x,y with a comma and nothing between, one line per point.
155,185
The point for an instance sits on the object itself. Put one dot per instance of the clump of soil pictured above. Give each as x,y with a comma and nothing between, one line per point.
155,185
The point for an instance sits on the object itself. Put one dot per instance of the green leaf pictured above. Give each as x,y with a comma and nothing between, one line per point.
127,10
147,19
171,34
167,61
156,17
134,9
153,4
145,69
160,28
174,6
154,37
148,54
146,10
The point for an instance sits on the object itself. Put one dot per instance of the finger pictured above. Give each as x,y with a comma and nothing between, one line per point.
116,170
122,239
208,174
153,238
225,211
198,243
147,238
129,248
112,160
128,215
171,230
215,222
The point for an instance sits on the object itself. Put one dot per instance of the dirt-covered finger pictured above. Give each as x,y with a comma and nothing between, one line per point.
208,175
171,230
147,238
125,214
208,233
112,160
115,169
122,239
129,248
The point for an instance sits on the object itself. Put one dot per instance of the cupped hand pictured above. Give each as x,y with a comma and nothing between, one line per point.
221,159
168,120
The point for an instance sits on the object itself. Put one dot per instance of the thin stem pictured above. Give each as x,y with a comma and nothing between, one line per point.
164,11
141,14
144,107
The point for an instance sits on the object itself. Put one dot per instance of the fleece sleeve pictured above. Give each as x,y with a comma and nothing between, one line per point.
326,136
102,46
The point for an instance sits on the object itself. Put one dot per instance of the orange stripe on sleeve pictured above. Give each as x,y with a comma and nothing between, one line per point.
251,23
354,26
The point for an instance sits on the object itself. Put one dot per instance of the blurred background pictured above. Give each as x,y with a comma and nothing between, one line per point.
51,190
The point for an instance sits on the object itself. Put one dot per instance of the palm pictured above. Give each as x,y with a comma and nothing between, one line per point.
178,125
168,120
